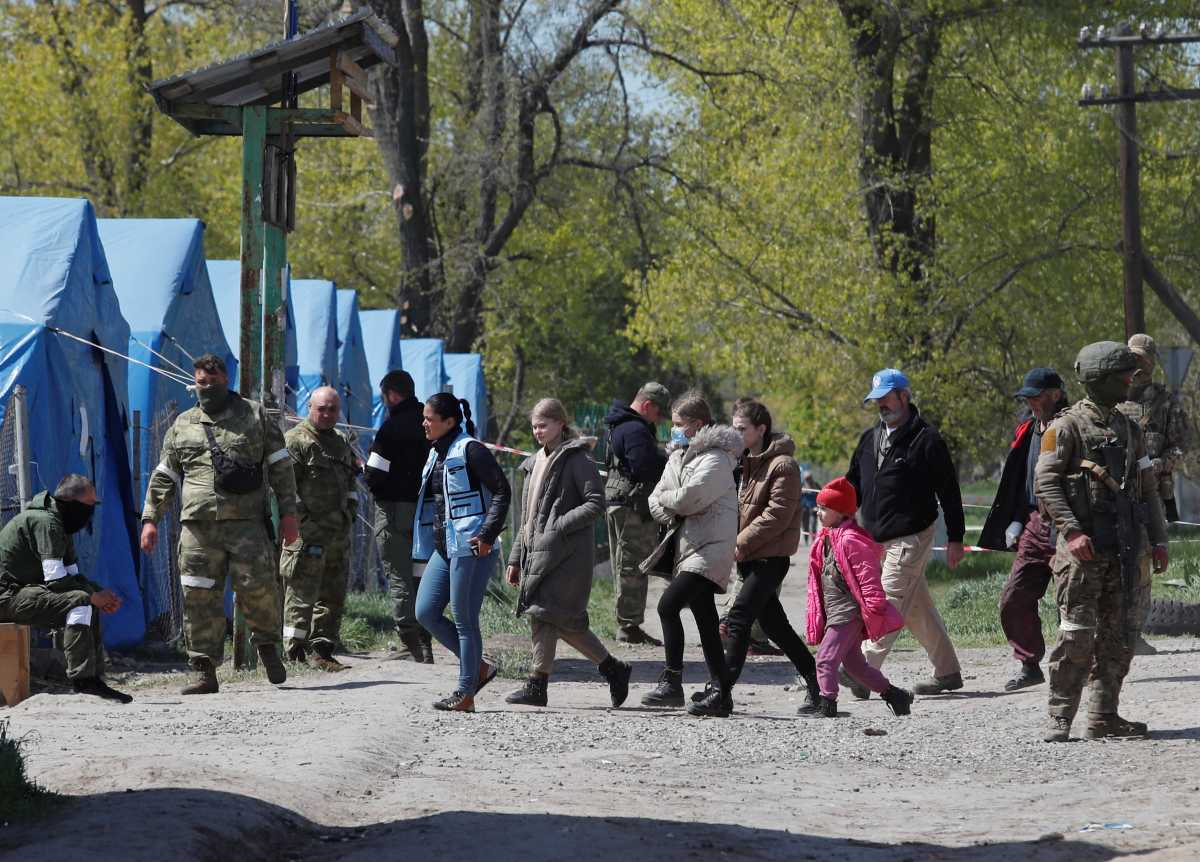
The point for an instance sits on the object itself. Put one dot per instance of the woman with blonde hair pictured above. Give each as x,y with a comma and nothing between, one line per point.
553,553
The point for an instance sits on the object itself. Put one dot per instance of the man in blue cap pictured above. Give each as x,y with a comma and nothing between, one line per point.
1015,523
902,470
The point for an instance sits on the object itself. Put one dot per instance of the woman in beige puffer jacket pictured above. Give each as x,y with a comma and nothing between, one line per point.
697,498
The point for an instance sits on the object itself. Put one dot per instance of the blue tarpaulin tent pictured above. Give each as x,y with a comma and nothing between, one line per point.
225,276
53,274
423,360
315,303
161,280
354,377
465,371
381,339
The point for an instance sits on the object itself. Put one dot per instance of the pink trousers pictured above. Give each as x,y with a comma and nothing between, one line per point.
842,647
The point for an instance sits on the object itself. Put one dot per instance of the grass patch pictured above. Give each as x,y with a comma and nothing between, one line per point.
20,798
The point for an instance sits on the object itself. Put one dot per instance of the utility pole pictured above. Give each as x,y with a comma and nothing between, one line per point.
1137,269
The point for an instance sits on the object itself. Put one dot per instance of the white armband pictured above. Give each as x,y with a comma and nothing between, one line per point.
277,456
73,569
378,462
169,473
52,570
1144,463
80,616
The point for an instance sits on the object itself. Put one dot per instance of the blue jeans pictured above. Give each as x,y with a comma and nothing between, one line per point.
460,583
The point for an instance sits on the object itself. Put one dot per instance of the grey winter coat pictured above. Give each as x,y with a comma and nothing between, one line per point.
556,565
698,486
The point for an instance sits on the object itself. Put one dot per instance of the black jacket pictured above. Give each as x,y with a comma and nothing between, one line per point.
401,443
633,444
901,497
1011,503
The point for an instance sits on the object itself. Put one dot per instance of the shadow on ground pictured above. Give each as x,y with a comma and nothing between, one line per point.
182,823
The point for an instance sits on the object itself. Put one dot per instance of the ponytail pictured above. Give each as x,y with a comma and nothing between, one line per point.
447,406
465,407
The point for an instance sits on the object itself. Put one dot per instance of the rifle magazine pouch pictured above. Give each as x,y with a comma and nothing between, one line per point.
230,474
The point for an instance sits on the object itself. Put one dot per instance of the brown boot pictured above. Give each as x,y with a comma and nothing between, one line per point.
205,680
323,658
268,654
1112,726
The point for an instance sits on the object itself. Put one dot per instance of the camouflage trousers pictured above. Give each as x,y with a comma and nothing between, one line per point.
631,538
315,571
63,604
210,552
1095,646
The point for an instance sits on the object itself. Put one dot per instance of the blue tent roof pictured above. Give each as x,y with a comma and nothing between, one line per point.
423,360
354,377
315,303
381,339
465,371
53,273
168,301
225,276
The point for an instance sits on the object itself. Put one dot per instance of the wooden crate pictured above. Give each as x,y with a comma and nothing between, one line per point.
14,663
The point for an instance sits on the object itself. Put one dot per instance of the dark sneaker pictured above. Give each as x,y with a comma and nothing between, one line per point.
1030,674
634,635
533,693
1114,727
668,692
860,691
458,701
205,680
824,708
939,684
898,700
487,673
98,688
1059,730
1144,647
714,704
617,673
268,654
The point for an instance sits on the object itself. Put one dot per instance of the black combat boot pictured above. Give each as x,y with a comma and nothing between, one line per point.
414,647
205,680
617,673
298,654
669,691
898,700
825,708
268,654
426,647
812,693
533,693
94,685
716,703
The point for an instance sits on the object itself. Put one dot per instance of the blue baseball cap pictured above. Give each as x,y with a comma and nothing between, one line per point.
1038,380
886,381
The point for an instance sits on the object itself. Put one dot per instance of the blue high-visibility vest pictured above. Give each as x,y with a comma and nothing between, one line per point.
466,507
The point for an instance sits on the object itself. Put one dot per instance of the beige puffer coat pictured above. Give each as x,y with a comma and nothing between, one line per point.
698,486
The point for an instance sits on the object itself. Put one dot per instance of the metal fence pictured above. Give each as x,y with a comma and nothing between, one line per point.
160,570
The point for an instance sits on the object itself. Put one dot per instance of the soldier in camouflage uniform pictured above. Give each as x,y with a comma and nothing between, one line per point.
1168,432
1079,493
218,452
315,568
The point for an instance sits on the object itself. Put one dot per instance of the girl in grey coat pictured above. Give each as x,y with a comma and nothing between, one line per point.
552,555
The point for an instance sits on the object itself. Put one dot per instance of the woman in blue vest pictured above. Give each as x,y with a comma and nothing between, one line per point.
461,509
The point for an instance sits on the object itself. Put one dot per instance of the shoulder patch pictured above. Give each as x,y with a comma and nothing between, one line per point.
1050,439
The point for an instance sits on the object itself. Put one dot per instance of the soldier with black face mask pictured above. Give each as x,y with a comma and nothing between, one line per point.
40,583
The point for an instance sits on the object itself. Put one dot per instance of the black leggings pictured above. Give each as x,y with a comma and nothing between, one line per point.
759,600
687,589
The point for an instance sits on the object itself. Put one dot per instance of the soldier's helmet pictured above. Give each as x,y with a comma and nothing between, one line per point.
1143,345
1102,358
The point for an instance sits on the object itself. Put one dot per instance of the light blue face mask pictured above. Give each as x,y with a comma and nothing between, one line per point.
678,437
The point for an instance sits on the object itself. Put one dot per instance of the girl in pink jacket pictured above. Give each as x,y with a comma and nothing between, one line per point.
846,603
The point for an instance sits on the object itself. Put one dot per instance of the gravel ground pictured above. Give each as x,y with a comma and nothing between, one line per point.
358,766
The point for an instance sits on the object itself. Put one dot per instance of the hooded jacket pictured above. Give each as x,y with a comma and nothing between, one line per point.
557,562
859,562
698,487
635,461
36,550
770,515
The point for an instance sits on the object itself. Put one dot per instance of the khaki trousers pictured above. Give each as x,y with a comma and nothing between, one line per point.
545,642
904,562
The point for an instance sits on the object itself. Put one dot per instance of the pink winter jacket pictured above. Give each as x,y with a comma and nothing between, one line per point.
858,559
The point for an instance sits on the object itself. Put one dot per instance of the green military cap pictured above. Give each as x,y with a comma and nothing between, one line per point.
1143,345
657,394
1102,358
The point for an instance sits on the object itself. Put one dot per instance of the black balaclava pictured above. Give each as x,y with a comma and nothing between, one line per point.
75,514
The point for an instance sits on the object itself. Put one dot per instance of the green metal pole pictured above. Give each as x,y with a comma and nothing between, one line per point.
275,286
250,356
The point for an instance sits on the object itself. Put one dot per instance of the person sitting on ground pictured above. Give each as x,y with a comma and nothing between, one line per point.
553,553
697,497
460,512
846,603
768,535
40,583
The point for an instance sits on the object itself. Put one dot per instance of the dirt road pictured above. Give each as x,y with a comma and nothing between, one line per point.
357,766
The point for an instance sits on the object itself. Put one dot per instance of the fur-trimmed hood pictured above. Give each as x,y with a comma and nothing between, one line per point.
720,437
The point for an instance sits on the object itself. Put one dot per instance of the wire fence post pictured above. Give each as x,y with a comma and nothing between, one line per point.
21,416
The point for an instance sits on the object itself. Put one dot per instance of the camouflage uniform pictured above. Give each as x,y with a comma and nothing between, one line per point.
316,568
223,533
1095,639
1168,435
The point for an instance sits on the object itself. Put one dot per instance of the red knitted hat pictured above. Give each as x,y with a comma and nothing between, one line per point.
839,495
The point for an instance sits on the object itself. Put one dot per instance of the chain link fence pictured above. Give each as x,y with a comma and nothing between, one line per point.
10,491
160,570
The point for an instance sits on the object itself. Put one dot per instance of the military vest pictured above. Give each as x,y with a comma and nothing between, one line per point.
1152,414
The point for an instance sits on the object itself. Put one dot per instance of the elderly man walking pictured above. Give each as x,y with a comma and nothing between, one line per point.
901,471
315,568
